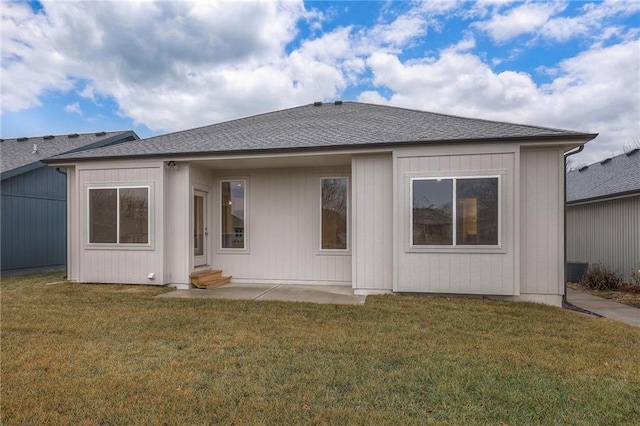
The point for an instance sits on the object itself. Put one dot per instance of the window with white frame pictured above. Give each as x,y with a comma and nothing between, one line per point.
455,211
119,215
233,214
334,213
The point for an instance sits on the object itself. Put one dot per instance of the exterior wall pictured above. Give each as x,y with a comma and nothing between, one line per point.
125,265
372,232
606,232
33,220
177,254
462,270
283,228
542,225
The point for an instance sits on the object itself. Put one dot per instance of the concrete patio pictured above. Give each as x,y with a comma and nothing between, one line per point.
340,295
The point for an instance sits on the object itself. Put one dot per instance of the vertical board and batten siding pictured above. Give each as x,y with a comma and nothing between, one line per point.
122,265
606,232
464,271
33,220
541,216
283,230
178,244
372,219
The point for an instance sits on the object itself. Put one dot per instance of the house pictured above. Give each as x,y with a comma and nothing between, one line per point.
603,213
34,198
378,198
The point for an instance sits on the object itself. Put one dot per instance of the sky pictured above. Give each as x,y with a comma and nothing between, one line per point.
157,67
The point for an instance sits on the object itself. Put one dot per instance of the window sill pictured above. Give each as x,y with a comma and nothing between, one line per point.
333,253
457,249
122,247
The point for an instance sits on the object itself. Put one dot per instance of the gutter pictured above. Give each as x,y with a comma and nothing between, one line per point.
565,302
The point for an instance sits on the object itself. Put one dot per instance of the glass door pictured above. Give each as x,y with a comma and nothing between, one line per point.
200,231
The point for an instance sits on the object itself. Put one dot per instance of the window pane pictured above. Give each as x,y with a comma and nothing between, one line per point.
334,214
198,225
103,216
233,214
134,215
432,212
477,211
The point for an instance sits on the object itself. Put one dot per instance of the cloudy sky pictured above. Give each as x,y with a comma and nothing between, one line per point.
156,67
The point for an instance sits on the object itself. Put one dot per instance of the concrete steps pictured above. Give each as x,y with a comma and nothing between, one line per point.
209,278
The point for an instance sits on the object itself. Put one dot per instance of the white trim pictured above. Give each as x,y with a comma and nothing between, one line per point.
454,247
339,252
245,249
149,245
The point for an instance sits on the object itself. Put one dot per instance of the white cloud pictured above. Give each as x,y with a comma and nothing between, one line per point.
597,91
73,108
523,19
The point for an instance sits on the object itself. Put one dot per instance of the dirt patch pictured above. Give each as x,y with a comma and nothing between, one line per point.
626,294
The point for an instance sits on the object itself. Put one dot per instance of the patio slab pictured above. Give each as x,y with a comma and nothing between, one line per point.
340,295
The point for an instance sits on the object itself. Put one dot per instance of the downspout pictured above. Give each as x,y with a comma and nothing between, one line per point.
64,173
565,302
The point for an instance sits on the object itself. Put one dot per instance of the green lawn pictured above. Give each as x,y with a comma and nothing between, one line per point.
98,354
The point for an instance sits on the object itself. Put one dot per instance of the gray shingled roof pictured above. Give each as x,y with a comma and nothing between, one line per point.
608,178
17,153
350,124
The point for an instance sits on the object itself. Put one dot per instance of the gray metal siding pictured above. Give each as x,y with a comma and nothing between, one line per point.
606,232
34,220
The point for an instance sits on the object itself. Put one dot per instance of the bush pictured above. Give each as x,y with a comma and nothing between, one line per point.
634,279
600,277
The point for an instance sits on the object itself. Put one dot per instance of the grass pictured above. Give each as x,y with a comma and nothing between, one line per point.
102,354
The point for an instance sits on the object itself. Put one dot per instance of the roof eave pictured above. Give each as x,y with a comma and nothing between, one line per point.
578,138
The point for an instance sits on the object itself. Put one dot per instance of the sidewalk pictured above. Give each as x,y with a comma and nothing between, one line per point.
604,307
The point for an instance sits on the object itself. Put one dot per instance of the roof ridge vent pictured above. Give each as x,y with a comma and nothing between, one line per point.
73,135
605,161
22,139
337,103
633,151
48,137
101,133
583,168
317,103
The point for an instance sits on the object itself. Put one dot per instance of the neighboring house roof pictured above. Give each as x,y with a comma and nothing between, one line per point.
612,177
324,126
23,154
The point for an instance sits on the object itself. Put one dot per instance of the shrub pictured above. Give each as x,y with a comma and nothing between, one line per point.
600,277
634,279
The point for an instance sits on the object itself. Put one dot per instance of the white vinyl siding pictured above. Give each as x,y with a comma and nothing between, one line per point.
463,269
284,231
372,183
130,263
542,235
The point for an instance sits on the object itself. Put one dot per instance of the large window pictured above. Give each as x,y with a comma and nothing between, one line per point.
334,195
233,214
119,215
457,211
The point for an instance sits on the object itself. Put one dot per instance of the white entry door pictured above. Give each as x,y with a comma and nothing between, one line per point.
200,229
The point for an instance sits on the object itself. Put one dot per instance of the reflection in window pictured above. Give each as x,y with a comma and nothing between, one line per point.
233,214
475,211
334,214
433,212
119,215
